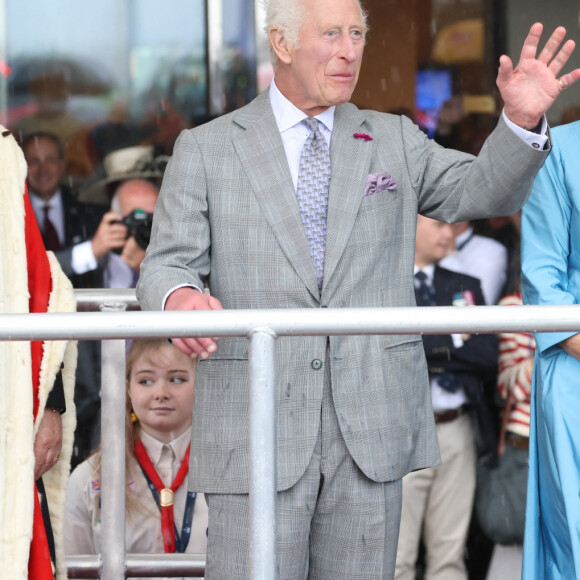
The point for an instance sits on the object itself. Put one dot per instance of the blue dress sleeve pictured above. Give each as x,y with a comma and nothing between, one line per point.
546,240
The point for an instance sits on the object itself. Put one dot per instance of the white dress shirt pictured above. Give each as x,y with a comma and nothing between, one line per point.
482,258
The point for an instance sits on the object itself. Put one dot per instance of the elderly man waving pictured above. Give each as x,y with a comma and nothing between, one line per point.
301,200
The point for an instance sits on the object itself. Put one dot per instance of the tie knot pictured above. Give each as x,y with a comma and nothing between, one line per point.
45,209
311,123
421,276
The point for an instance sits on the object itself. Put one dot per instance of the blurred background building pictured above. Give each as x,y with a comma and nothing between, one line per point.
114,73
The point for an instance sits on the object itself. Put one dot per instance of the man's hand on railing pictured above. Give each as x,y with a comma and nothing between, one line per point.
188,298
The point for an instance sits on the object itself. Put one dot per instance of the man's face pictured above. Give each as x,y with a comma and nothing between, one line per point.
433,241
324,70
45,167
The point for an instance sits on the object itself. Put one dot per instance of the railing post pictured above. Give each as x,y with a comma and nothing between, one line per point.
263,419
113,455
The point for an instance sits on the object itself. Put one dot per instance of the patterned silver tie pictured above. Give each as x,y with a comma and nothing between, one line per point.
312,193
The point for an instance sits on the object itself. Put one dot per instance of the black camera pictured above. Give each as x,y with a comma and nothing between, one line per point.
138,224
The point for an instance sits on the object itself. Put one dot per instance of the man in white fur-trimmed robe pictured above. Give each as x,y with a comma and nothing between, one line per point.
36,386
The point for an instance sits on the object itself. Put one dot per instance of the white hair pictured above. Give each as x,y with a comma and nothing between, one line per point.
289,16
116,204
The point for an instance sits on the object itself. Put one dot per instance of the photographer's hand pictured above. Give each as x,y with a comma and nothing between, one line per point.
133,254
109,235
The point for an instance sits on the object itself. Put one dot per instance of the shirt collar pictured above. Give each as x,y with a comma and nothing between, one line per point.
55,202
288,115
154,447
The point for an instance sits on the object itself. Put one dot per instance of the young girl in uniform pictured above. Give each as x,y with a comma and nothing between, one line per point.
159,380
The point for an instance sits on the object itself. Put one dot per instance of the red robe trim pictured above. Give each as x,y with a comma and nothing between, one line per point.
40,565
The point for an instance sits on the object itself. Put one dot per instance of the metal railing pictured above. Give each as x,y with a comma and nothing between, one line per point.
261,328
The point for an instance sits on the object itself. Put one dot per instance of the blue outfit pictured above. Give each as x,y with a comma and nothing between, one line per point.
551,275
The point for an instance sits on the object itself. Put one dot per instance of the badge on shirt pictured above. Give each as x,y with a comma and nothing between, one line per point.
465,298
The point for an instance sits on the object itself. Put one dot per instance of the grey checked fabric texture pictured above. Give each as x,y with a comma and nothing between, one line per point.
312,193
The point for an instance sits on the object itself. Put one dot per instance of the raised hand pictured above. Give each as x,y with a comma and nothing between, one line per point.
529,90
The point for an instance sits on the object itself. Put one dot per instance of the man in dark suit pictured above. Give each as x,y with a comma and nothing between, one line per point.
79,234
437,502
301,200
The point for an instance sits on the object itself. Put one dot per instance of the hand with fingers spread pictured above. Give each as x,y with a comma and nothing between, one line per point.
529,90
188,298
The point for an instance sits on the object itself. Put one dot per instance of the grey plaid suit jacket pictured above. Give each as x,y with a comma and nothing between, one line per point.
228,216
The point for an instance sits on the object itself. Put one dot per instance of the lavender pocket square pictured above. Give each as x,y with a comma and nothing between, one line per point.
379,182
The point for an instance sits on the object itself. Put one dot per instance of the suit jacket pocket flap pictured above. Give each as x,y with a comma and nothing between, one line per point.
393,340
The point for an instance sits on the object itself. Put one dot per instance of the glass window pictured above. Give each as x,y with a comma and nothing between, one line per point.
106,75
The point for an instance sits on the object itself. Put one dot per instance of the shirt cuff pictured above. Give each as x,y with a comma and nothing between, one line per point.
176,288
535,140
82,259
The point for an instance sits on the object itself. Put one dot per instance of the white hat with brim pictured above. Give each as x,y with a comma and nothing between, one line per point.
129,163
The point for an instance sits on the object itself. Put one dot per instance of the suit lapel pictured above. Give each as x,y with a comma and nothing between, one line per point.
261,153
350,160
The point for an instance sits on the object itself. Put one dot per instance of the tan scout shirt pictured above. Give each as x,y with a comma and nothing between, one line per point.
82,526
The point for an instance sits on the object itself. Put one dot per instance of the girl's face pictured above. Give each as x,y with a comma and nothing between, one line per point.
161,391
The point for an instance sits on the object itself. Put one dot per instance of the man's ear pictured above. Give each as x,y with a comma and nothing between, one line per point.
283,50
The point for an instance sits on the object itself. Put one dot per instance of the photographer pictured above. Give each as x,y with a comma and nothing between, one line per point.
132,205
132,208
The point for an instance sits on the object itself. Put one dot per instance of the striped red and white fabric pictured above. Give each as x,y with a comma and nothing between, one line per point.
516,360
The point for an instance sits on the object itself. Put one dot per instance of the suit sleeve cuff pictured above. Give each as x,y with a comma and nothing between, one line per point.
532,139
83,260
56,398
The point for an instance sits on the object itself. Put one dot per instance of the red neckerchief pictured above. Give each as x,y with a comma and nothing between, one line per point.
166,495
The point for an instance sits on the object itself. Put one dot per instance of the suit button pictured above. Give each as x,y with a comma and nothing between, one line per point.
316,364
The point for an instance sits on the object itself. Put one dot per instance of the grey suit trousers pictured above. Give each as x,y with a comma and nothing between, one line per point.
333,524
